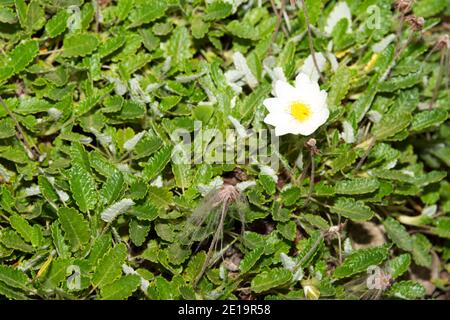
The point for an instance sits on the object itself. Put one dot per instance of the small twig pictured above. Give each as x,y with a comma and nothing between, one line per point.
394,60
366,154
43,53
97,16
311,179
279,15
309,253
212,245
310,41
399,33
312,147
339,240
447,67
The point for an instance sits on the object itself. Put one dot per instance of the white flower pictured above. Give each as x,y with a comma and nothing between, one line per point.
309,68
340,11
298,110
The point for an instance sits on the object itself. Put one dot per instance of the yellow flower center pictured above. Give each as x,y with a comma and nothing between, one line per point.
300,111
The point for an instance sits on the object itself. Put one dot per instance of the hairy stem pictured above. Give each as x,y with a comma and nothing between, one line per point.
310,40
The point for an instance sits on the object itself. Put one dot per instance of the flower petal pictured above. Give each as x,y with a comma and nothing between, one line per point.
273,104
277,118
340,11
309,67
282,130
304,83
321,116
285,91
306,129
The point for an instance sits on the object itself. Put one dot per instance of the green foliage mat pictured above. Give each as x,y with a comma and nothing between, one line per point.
92,202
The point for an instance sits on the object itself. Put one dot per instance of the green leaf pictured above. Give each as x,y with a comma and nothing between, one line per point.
359,260
160,197
146,212
138,231
428,118
166,290
421,250
243,30
251,103
442,228
314,9
147,11
362,105
218,10
194,266
124,8
35,16
250,259
56,273
21,9
57,24
58,240
183,175
12,240
79,156
354,210
270,279
113,187
401,82
428,8
357,186
11,293
290,196
75,227
268,183
343,160
409,290
109,268
178,46
399,265
198,27
22,227
7,15
83,188
101,246
391,124
80,44
157,163
47,189
288,230
317,221
398,234
121,289
7,128
22,55
340,84
14,277
111,45
310,248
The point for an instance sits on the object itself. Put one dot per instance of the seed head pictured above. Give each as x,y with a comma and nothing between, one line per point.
227,193
311,145
443,42
416,23
403,6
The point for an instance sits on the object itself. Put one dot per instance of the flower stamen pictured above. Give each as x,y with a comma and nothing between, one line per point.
300,111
